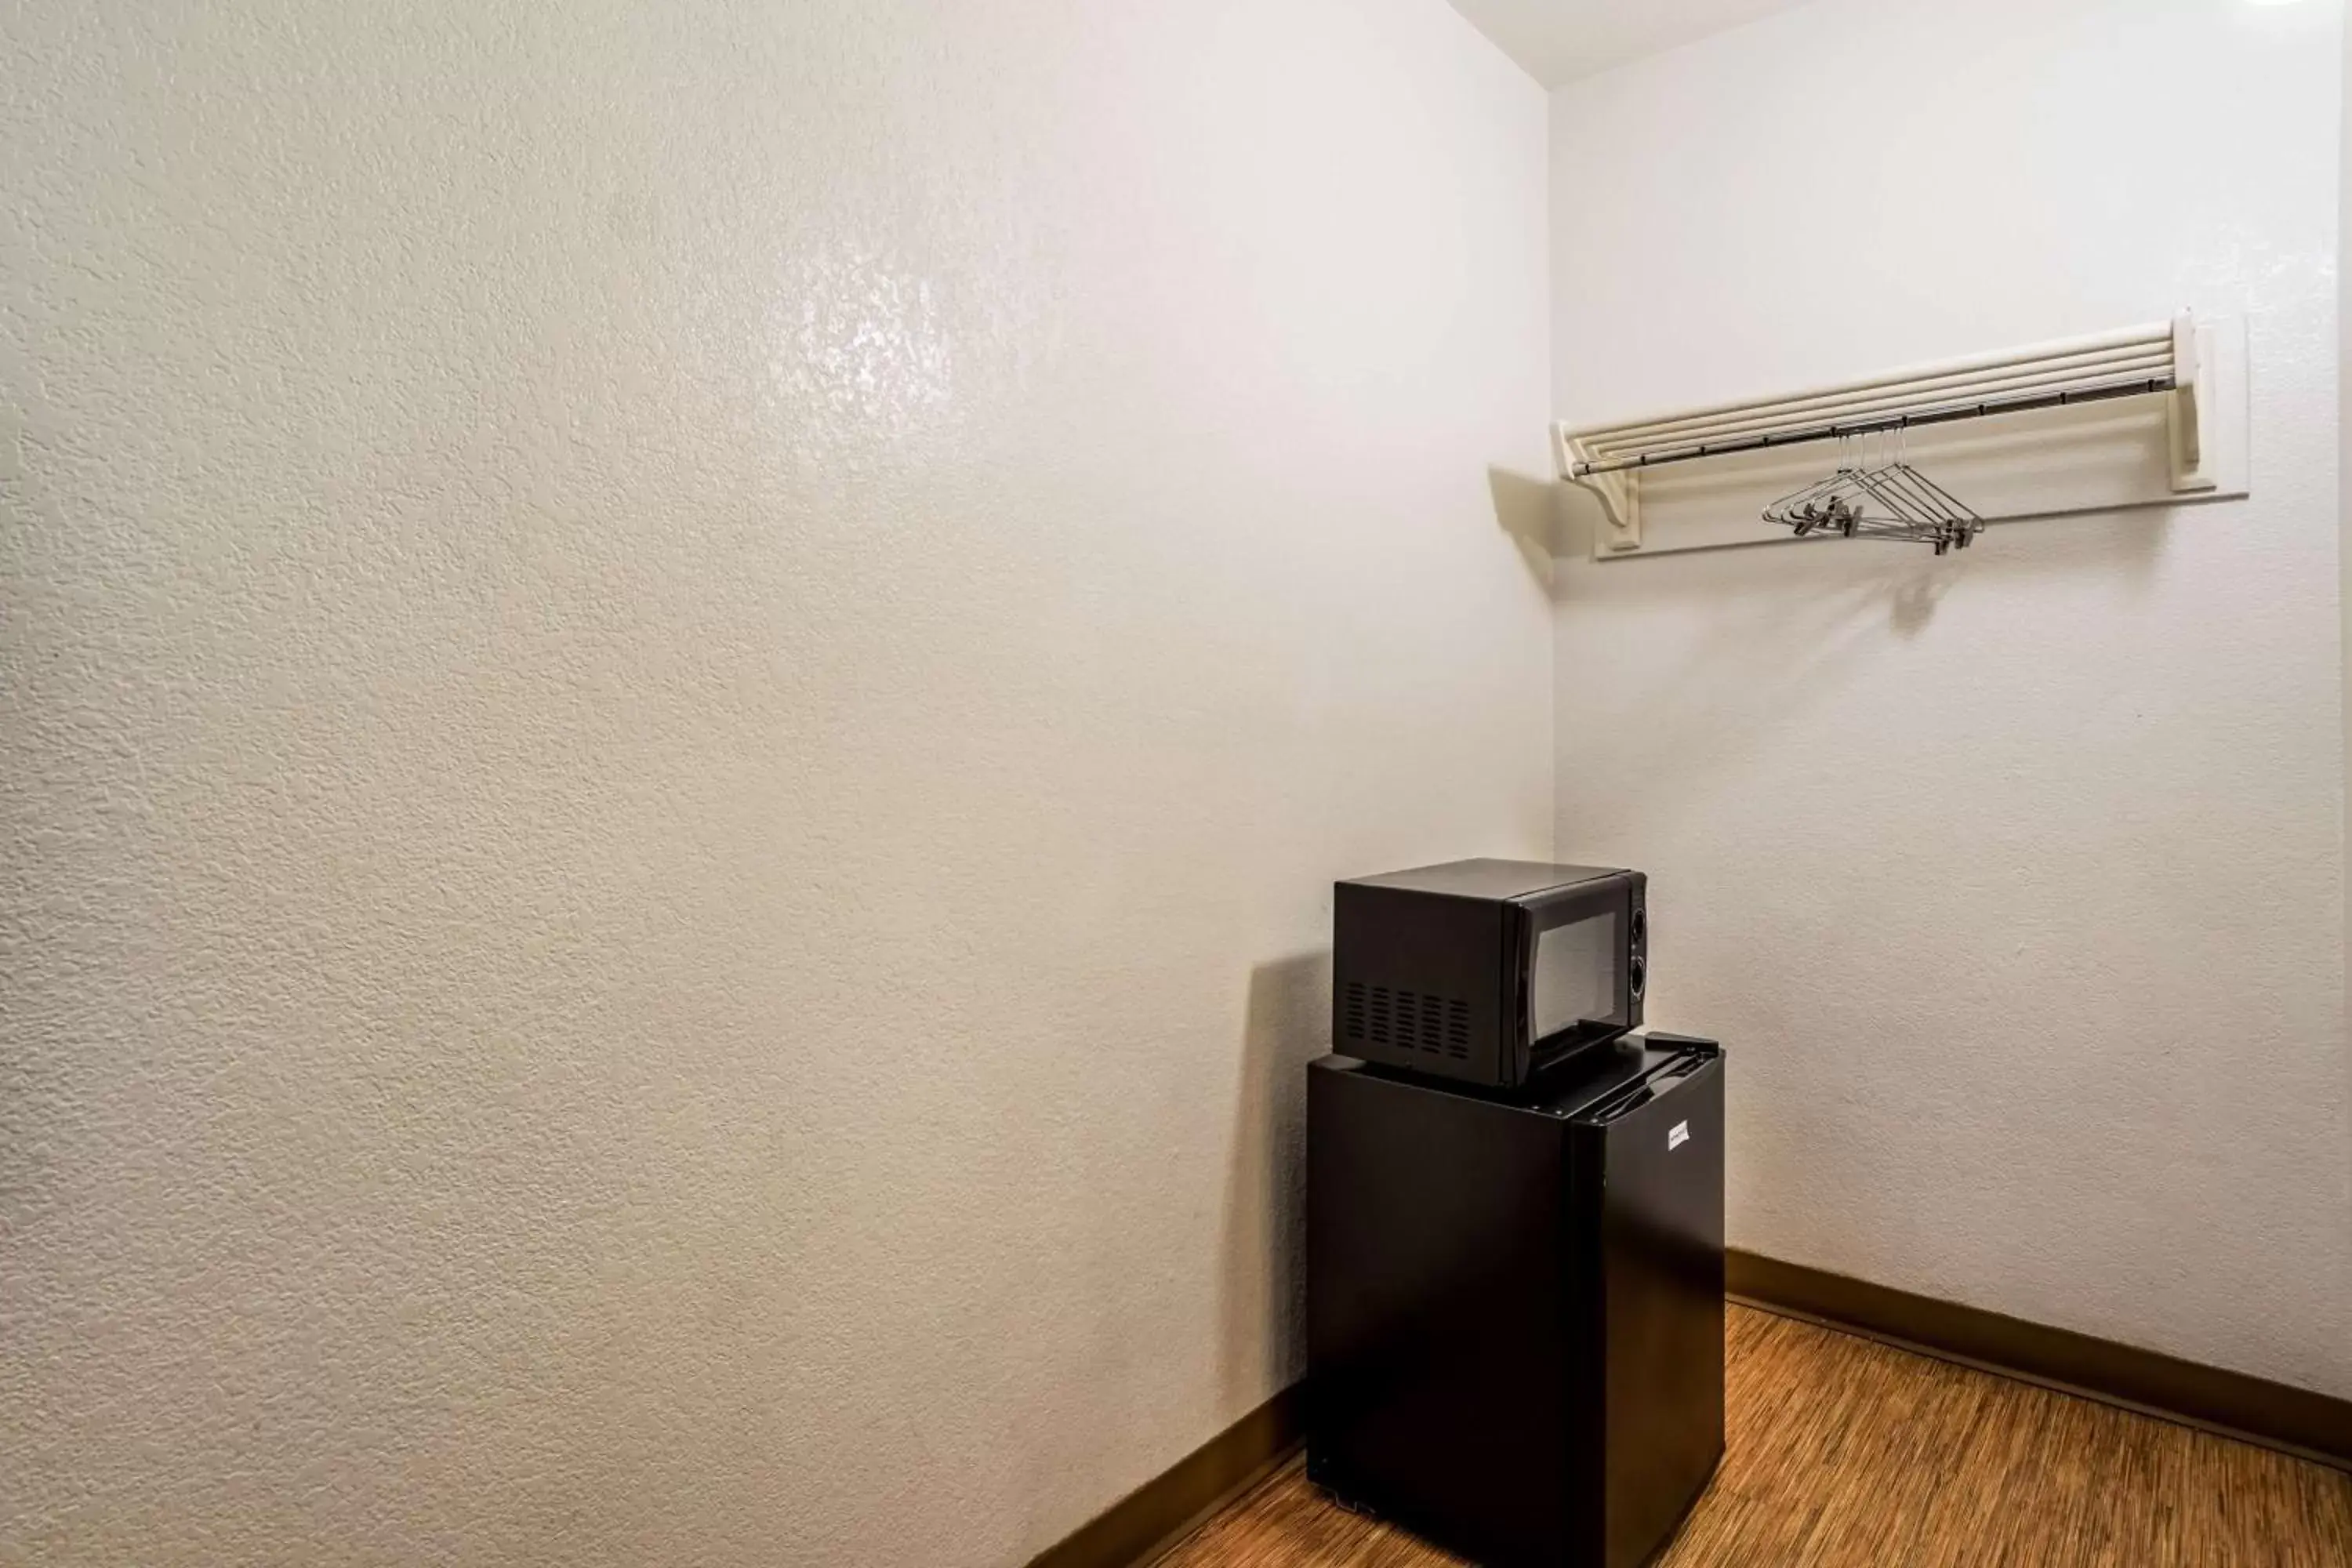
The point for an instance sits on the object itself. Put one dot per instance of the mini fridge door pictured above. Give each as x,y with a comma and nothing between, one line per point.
1654,1153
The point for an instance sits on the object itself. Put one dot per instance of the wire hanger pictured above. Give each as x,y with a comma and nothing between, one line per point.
1892,500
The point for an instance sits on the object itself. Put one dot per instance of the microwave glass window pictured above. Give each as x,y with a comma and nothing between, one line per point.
1576,974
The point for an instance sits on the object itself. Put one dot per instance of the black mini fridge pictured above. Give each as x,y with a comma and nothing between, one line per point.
1515,1306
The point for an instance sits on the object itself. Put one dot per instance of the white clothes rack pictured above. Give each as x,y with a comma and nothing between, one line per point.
2160,359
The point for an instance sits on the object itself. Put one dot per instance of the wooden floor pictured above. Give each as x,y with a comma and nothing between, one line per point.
1844,1453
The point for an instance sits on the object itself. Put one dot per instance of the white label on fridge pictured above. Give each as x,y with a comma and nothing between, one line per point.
1678,1135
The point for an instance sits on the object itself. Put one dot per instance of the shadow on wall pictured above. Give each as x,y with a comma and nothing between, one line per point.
1753,636
1262,1338
1528,510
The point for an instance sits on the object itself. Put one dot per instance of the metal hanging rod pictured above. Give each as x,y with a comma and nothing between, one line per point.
2157,358
1982,409
1971,380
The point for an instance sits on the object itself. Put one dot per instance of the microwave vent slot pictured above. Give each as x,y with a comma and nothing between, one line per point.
1407,1020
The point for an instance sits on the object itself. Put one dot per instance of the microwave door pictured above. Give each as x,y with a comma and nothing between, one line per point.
1575,979
1580,981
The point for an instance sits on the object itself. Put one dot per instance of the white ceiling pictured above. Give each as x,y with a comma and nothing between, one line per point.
1559,40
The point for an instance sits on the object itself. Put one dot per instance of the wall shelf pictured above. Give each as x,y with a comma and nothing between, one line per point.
2152,415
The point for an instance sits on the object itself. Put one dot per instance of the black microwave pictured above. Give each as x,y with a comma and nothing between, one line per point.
1487,971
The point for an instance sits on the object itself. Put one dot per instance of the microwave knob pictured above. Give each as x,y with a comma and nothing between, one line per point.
1636,971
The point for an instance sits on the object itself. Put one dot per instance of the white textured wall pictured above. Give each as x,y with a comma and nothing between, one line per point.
2344,467
2014,881
678,684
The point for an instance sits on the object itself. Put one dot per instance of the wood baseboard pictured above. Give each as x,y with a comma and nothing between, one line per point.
2274,1415
1170,1506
